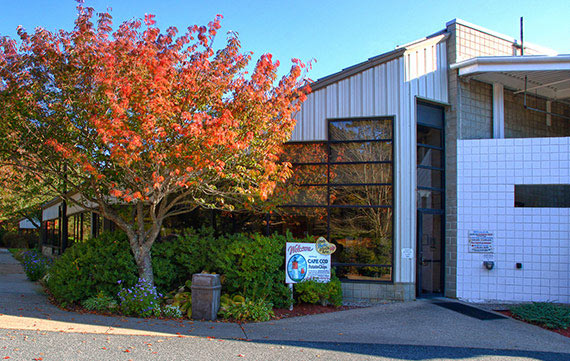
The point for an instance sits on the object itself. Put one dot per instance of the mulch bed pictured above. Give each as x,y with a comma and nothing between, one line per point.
561,331
306,309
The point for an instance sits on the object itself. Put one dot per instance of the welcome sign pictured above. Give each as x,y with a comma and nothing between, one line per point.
304,262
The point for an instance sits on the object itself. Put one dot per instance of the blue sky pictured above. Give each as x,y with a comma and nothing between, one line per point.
336,34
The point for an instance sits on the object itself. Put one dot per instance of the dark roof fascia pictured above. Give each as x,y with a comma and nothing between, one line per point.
347,72
50,203
58,199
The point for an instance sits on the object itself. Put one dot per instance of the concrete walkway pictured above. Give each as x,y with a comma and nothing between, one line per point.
23,306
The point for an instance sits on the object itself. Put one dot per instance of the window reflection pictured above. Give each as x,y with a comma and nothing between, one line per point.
343,189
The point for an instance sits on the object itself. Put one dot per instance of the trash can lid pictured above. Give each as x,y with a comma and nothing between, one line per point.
205,279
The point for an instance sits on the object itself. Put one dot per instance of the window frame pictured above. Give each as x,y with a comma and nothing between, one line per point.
328,206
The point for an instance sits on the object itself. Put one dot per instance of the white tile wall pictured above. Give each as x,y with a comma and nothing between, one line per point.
539,238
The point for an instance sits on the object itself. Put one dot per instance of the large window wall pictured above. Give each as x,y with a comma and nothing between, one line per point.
78,227
343,189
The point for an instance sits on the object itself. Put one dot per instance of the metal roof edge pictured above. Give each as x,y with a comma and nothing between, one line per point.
533,59
357,68
375,60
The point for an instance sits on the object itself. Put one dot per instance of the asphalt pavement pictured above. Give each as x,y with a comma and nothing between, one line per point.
32,328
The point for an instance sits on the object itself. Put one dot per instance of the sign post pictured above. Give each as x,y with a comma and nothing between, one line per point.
308,261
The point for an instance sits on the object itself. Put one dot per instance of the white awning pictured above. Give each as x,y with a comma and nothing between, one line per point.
547,76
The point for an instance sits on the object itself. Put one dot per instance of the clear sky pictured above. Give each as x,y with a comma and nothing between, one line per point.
336,33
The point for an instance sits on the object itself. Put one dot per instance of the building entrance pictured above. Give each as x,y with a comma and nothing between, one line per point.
430,200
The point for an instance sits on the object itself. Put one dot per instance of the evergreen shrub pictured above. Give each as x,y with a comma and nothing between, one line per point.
93,266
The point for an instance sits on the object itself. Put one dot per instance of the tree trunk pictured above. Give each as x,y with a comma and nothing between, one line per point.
144,264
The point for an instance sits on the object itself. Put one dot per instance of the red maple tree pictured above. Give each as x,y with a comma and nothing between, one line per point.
145,124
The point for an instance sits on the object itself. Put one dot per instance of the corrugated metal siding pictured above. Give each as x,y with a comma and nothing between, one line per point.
388,89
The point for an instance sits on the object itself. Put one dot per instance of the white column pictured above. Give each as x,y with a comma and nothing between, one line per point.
498,111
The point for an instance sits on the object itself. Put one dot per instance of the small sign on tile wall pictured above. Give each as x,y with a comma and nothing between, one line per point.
481,242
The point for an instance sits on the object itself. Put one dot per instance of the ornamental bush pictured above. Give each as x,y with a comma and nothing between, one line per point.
171,311
175,261
317,292
252,265
248,310
93,266
141,300
35,265
101,302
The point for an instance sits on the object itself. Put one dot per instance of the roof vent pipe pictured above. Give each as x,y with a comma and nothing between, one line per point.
522,39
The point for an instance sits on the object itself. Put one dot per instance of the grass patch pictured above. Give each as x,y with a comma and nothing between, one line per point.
546,314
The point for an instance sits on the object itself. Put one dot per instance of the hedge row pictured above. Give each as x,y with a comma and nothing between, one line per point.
249,264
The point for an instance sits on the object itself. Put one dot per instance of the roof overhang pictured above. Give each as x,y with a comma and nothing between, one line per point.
546,76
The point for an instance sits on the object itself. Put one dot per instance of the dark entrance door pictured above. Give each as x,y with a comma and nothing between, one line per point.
430,255
430,200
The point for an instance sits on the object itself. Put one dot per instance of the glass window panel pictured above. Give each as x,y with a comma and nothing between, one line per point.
361,195
86,225
71,229
234,222
429,136
362,236
429,199
430,157
361,173
309,174
430,260
305,153
301,222
430,178
542,195
361,152
306,195
360,129
430,114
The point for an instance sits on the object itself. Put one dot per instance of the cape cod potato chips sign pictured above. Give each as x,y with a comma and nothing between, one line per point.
308,261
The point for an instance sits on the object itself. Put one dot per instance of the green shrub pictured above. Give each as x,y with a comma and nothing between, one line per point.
171,311
94,266
182,299
248,310
317,292
543,313
141,300
17,240
35,265
252,266
100,302
175,261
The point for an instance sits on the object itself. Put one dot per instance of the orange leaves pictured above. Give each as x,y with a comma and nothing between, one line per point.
116,193
149,19
153,112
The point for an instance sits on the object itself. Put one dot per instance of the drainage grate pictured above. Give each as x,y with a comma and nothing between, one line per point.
469,311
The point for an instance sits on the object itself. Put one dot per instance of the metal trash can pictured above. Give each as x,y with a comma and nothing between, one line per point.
206,290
